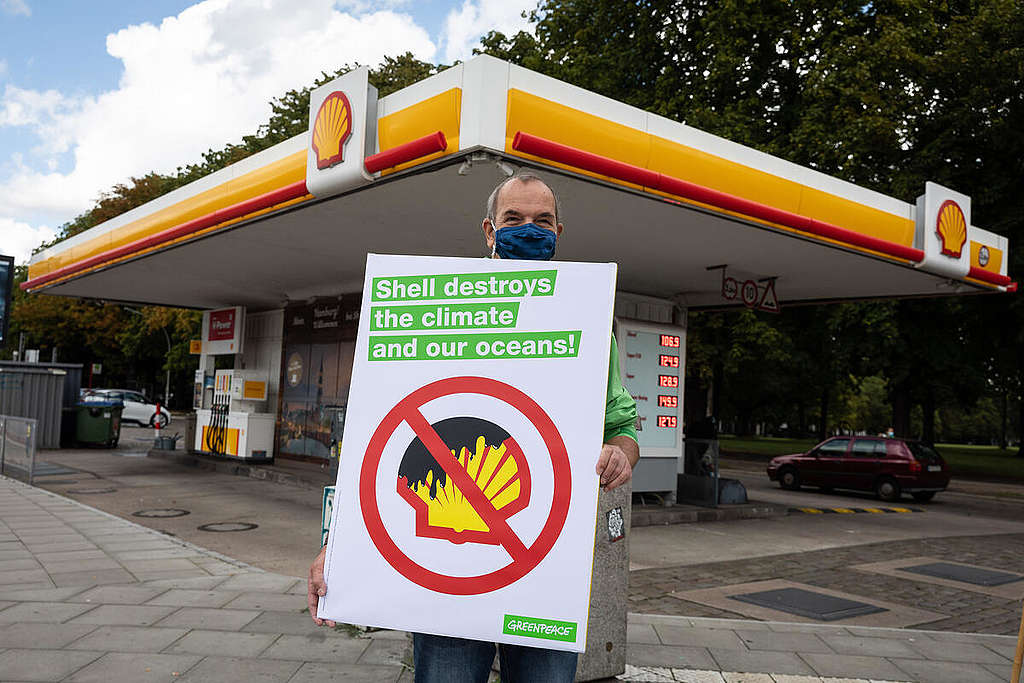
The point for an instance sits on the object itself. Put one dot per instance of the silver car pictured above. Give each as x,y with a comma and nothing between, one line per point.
137,408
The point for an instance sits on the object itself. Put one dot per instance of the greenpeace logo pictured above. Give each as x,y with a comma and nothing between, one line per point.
548,629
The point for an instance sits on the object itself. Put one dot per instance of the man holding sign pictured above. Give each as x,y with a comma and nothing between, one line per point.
489,475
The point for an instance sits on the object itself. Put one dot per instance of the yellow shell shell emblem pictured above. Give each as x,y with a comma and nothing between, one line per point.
952,228
493,463
331,129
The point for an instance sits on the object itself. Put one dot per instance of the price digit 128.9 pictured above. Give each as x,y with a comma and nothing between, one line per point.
668,381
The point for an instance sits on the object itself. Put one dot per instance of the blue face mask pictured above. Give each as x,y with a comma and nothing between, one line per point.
527,242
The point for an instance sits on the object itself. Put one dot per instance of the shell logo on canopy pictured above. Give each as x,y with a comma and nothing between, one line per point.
951,227
331,129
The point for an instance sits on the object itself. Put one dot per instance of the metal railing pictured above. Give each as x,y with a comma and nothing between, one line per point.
17,447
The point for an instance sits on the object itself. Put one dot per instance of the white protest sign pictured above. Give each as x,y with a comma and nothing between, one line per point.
466,493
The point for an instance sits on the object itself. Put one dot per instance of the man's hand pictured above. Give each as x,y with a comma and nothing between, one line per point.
615,465
317,587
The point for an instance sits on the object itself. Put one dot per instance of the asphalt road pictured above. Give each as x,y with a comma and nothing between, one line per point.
287,518
968,509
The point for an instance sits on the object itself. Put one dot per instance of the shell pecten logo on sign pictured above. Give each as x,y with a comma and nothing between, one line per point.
331,129
494,463
951,227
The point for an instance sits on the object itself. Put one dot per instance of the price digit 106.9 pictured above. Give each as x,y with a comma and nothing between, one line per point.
670,340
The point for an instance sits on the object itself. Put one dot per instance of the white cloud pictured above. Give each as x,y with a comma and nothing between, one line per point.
195,82
463,27
18,239
3,67
16,7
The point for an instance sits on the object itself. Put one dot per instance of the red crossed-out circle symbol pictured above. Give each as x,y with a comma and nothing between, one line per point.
524,558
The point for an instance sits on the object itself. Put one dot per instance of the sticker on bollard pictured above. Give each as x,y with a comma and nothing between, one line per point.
532,627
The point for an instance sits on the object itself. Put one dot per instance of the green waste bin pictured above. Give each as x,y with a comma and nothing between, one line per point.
98,423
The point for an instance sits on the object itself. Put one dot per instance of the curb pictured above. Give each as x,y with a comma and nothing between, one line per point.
206,462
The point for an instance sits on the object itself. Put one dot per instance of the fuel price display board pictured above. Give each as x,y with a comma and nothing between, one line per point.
652,371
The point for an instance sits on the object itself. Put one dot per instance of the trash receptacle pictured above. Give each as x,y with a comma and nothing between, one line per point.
98,423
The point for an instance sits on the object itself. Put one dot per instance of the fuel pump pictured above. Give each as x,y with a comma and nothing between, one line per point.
233,424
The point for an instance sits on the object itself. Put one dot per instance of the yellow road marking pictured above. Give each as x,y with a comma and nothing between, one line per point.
875,510
901,509
810,511
843,511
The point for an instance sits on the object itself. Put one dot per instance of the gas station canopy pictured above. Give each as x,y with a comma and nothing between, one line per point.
689,217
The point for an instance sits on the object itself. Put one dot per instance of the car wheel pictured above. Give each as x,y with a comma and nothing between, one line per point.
887,489
923,496
789,478
158,417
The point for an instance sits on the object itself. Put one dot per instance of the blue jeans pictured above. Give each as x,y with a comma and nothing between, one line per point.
441,659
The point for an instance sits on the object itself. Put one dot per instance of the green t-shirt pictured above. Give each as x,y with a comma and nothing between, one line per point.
620,408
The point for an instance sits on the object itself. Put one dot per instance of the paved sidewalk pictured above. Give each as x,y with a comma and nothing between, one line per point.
85,596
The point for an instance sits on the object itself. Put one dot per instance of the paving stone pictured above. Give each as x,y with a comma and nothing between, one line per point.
950,652
47,612
697,637
312,672
226,643
138,567
116,666
42,665
236,670
70,557
669,655
278,602
642,633
1002,671
192,582
758,662
746,678
124,615
117,595
193,573
947,672
782,642
186,597
872,647
265,583
50,594
12,578
127,638
209,618
323,647
41,635
387,651
292,623
92,577
82,565
854,666
25,563
656,674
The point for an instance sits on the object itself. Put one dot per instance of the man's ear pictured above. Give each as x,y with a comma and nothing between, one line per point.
488,232
558,230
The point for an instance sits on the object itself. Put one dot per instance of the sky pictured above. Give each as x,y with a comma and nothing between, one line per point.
93,93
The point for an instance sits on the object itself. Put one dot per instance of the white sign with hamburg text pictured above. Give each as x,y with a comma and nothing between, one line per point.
466,491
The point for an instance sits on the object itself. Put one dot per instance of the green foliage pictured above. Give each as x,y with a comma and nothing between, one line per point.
886,95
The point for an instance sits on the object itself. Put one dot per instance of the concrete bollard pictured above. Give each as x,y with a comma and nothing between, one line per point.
609,589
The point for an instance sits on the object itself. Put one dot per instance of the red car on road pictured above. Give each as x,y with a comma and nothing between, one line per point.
889,467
